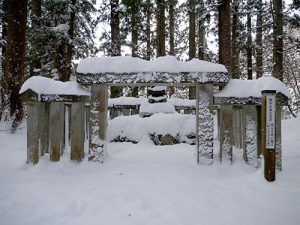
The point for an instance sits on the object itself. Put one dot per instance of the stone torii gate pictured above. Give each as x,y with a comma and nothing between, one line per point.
100,73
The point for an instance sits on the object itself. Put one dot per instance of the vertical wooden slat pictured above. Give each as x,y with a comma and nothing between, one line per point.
44,127
204,123
77,131
32,132
56,130
250,135
98,122
226,133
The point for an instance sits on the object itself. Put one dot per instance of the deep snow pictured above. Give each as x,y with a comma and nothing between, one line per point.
144,184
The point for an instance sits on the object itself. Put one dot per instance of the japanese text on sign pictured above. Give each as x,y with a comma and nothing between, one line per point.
270,121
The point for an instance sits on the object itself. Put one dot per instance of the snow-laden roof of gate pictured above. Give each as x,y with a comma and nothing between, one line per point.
128,64
47,89
135,70
243,91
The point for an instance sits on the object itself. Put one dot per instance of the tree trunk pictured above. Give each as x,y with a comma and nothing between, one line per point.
249,40
13,75
278,40
259,23
70,46
172,4
224,33
148,29
192,29
235,41
201,39
36,24
192,41
115,29
161,28
134,29
115,41
3,50
134,38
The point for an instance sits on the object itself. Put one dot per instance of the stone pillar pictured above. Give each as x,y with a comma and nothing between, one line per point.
32,132
250,135
226,133
77,131
44,127
205,124
126,112
98,122
56,118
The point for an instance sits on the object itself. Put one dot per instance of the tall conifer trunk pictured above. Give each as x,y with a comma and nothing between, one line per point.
161,28
192,29
235,40
148,29
249,40
172,4
115,28
115,40
278,40
259,59
13,74
70,46
36,24
224,33
192,39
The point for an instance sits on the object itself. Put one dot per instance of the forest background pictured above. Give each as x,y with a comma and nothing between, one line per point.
47,38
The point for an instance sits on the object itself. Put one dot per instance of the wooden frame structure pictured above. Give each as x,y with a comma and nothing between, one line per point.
46,109
241,125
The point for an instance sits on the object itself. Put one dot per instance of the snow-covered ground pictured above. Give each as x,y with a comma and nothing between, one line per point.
144,184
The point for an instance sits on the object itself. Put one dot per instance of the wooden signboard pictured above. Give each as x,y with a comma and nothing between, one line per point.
270,121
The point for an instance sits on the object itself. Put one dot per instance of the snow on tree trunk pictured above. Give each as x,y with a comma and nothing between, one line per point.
226,133
250,135
98,122
204,124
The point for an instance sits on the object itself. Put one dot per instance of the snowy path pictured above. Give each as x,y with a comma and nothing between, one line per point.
145,185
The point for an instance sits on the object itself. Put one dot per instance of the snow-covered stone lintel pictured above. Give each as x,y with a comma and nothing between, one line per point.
249,91
281,99
39,88
153,78
64,98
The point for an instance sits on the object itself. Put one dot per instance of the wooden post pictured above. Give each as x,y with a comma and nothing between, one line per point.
268,131
32,132
87,121
56,130
77,131
98,122
278,163
250,135
44,127
226,133
205,123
